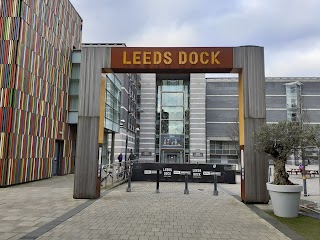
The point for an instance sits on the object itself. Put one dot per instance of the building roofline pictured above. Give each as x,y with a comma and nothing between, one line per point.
76,10
271,78
103,44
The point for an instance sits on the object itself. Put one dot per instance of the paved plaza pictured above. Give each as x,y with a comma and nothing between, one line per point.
46,210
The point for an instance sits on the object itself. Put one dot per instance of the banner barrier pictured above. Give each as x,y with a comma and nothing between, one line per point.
202,173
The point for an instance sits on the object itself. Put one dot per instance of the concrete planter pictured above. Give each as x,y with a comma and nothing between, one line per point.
285,199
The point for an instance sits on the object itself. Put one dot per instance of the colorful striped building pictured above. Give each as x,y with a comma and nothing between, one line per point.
36,42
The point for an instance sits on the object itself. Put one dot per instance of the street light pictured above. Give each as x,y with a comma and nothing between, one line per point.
136,150
318,148
304,167
127,124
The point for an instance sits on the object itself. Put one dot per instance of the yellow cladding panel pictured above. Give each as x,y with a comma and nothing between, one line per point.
241,110
102,109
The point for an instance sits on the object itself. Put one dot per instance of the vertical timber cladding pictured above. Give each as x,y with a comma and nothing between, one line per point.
249,63
93,60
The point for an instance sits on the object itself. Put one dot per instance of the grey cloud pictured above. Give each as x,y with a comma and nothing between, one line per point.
283,27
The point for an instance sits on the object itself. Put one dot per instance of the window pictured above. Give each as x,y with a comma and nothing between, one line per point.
171,120
222,148
293,97
293,89
74,100
112,101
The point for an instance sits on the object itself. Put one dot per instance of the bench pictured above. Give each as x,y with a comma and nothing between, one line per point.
308,172
312,172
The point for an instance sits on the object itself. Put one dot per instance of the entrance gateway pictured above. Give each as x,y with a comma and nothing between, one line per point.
247,61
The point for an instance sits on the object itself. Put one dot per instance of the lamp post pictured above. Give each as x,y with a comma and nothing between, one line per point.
304,177
319,167
136,142
303,162
126,147
127,124
318,148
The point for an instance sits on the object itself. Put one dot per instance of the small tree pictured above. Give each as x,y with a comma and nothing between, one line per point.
233,134
280,140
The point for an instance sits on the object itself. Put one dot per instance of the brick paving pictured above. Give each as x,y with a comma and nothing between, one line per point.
26,207
146,215
46,210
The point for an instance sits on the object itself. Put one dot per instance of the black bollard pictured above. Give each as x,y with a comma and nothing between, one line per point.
158,180
129,183
186,190
215,180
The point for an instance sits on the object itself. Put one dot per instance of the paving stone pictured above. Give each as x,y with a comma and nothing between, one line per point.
139,215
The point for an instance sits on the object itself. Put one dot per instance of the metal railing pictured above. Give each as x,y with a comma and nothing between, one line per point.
115,173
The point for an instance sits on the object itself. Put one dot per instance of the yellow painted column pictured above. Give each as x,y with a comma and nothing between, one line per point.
102,109
241,110
241,133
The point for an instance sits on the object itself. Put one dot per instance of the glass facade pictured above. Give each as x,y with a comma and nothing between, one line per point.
74,87
293,98
172,124
112,103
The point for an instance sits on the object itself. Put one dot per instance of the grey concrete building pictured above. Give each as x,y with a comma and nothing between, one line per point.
291,99
212,108
172,126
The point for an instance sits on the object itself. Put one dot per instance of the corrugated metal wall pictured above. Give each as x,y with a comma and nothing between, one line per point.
147,118
197,118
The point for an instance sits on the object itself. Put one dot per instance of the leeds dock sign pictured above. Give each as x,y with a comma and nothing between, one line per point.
171,59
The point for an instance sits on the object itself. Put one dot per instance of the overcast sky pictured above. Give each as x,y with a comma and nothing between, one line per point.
289,30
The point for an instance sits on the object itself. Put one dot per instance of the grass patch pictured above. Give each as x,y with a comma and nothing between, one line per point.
307,227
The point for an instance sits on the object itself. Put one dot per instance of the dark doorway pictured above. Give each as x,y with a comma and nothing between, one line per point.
56,164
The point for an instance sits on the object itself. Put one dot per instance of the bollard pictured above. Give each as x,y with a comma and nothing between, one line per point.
158,180
113,174
215,180
129,183
186,190
305,193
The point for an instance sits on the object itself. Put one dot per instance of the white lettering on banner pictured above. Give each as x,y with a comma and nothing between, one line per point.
196,175
148,172
167,169
216,173
206,173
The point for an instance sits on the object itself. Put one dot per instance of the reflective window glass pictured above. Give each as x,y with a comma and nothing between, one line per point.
172,99
175,127
172,113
